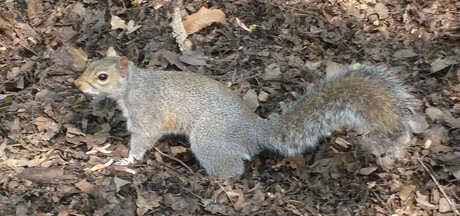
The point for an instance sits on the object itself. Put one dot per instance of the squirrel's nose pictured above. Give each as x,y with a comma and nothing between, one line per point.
77,83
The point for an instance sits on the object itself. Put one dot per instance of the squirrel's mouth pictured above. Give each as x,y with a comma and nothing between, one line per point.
87,88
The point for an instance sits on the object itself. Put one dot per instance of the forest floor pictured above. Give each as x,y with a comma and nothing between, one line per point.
47,125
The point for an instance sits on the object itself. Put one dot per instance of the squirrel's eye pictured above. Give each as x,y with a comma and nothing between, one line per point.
102,77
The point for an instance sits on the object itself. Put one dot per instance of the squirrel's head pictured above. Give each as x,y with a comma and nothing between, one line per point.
105,77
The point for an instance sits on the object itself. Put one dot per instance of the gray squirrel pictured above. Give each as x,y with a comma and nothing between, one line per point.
223,132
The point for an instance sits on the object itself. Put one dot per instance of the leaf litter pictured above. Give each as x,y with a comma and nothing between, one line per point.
47,125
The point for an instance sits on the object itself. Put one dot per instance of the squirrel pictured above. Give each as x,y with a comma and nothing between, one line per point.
223,132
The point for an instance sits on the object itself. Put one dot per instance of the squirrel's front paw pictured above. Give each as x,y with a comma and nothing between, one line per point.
125,161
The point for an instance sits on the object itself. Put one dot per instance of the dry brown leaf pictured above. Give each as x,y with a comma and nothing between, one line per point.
251,99
117,23
263,96
272,72
120,182
333,69
146,201
175,150
78,58
242,25
131,27
203,18
434,113
101,166
406,191
342,142
423,201
367,170
124,169
381,10
48,126
33,8
102,149
179,31
45,175
85,186
444,205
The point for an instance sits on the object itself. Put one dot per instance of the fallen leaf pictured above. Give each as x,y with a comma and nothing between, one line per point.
242,25
263,96
406,191
46,174
444,205
33,8
179,31
101,166
85,186
120,183
420,123
333,69
342,142
251,99
404,53
194,57
117,23
124,169
440,64
203,18
131,27
434,113
271,72
451,121
175,150
381,10
48,126
367,170
78,58
97,149
423,201
146,201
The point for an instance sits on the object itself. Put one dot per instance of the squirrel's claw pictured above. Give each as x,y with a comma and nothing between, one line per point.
125,161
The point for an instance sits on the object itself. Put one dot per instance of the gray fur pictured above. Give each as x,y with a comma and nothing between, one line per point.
222,131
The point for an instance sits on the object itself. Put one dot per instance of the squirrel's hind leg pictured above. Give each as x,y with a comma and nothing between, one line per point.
220,155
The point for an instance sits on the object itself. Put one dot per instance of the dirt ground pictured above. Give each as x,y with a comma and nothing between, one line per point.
47,125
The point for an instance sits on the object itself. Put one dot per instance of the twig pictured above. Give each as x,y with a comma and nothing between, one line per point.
452,205
223,189
173,158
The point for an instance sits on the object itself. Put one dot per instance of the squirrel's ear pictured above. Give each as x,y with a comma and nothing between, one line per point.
122,65
111,52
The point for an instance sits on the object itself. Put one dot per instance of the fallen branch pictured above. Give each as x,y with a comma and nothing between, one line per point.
452,205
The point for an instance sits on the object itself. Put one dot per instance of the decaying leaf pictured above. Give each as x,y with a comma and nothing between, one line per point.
203,18
175,150
120,182
406,191
117,23
85,186
124,169
179,31
147,201
46,174
131,27
367,170
48,126
78,58
102,149
441,63
251,99
272,72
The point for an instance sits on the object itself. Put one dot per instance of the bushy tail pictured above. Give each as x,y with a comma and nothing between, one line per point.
368,98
